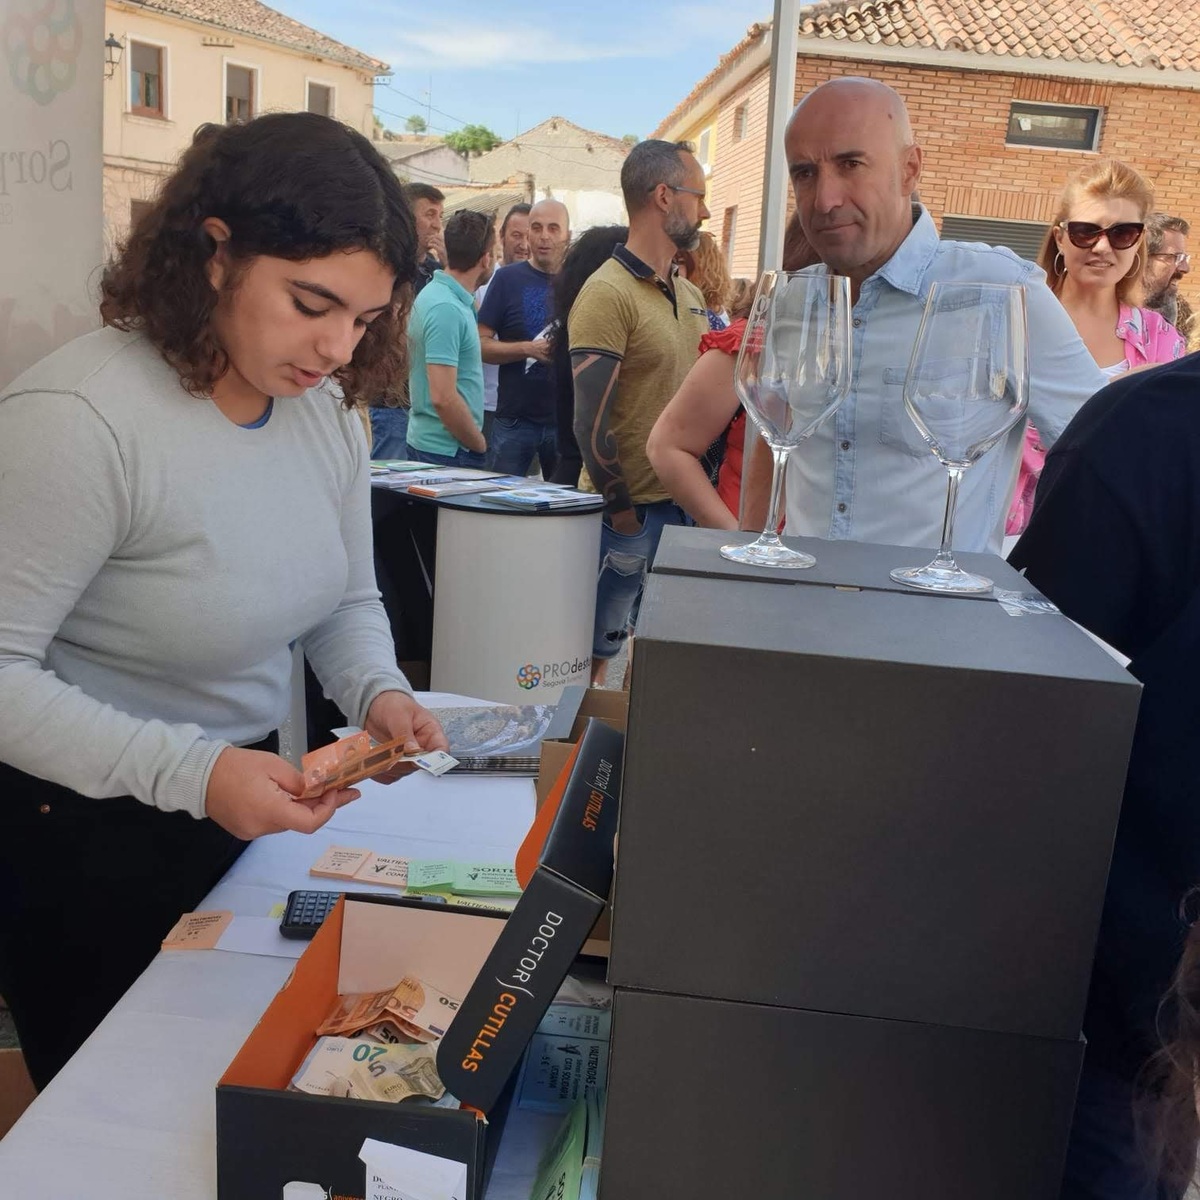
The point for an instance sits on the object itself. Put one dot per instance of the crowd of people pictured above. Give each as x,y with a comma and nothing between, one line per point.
217,507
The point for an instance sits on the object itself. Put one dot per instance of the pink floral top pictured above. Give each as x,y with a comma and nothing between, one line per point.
1149,338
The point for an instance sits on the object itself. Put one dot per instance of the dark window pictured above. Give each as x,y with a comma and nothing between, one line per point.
320,99
1024,238
239,94
146,80
1053,125
137,210
729,234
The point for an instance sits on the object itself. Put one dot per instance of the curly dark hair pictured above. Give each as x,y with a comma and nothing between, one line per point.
289,185
1166,1092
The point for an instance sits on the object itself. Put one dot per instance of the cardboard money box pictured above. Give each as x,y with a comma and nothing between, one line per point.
269,1137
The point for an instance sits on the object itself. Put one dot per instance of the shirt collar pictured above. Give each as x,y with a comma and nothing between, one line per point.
635,266
642,270
460,293
906,269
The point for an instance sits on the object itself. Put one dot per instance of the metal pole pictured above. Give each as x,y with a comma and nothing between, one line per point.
785,38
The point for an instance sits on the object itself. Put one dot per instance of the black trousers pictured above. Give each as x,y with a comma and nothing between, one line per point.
88,890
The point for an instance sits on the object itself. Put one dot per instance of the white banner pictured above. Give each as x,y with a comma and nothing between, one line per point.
51,188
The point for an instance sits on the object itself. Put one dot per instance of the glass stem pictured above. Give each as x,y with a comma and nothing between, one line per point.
771,528
945,556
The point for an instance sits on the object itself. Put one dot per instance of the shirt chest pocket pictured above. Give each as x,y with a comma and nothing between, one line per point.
895,425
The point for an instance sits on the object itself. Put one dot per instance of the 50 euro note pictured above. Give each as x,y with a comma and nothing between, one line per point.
363,1070
417,1009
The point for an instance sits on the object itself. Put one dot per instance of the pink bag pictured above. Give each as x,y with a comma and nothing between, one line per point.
1033,457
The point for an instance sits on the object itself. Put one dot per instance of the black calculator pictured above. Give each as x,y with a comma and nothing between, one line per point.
305,911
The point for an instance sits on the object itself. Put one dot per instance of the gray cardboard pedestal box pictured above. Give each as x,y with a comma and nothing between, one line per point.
712,1100
864,840
864,801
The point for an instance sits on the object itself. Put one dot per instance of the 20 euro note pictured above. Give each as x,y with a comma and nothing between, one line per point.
379,1081
414,1006
364,1070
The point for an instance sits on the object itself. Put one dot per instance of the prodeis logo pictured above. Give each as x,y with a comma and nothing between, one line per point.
553,674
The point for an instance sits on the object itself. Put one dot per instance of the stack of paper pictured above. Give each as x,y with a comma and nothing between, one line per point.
544,496
566,1059
570,1168
404,475
486,482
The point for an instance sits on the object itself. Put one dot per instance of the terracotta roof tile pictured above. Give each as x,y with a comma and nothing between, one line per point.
1158,34
1143,33
257,20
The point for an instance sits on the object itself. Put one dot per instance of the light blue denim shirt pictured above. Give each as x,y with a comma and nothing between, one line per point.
867,475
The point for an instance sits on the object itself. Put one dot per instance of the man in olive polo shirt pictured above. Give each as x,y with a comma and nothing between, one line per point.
635,331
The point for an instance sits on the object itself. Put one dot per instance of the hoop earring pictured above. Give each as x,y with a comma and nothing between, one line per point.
1137,270
1059,271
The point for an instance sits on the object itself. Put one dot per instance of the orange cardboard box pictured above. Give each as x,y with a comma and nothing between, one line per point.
612,708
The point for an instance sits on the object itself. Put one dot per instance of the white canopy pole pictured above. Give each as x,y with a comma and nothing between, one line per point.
785,38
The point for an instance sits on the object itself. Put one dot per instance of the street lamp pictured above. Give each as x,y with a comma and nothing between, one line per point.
112,55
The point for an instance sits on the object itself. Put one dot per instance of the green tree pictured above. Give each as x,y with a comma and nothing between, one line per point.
416,124
472,139
631,139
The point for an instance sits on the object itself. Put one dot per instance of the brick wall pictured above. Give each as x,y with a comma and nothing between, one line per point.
736,179
961,118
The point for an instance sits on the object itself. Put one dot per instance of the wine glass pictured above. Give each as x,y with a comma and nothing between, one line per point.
967,386
793,370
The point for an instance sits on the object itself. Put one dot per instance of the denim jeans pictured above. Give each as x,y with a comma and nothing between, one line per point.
515,441
464,458
389,432
624,563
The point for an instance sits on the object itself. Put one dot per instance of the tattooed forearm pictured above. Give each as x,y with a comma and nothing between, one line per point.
595,377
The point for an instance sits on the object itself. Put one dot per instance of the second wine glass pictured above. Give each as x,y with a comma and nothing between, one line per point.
967,386
793,370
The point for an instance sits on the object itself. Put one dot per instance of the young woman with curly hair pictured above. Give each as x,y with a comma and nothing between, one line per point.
184,494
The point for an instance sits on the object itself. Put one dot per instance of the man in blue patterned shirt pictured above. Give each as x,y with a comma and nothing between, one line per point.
867,475
514,320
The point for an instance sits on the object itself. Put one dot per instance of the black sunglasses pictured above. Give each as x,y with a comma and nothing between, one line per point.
1120,237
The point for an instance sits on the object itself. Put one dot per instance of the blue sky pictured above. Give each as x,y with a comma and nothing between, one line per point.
616,67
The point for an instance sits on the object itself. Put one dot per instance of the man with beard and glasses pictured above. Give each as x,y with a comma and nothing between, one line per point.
867,475
635,331
1167,262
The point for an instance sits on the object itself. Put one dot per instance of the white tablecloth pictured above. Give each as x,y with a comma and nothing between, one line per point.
131,1116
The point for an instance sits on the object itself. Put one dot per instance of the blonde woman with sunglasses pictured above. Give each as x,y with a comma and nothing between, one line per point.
1094,256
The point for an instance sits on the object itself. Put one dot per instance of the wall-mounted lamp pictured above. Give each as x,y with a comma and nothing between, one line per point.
113,49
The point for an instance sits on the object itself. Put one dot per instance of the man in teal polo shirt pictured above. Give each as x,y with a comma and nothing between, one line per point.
446,368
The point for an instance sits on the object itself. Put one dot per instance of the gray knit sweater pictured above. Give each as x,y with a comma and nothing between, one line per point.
156,563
